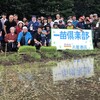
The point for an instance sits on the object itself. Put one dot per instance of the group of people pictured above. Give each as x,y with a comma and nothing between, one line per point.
37,32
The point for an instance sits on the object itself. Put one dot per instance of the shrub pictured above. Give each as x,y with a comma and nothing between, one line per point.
50,49
26,49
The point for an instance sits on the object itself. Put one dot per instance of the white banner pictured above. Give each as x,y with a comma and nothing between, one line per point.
71,39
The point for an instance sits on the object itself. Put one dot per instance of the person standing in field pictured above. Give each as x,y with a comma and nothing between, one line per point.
32,27
58,18
8,24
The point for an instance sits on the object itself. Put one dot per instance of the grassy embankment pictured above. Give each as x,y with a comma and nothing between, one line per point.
47,55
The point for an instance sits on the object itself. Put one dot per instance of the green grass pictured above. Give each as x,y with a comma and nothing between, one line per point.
51,63
55,55
35,56
26,49
30,55
83,52
50,49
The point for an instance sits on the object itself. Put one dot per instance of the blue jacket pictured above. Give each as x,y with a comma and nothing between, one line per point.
35,25
27,37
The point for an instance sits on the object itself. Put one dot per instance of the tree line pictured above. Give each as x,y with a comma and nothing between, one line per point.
49,7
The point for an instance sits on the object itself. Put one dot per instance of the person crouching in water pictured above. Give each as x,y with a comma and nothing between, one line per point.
38,38
10,39
24,37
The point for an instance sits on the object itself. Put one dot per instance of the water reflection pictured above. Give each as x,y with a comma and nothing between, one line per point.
74,69
69,80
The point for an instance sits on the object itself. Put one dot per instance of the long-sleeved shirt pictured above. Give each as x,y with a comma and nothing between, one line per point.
10,36
34,25
27,37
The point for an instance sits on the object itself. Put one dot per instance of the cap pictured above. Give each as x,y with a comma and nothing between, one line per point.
60,21
25,27
95,15
88,20
69,21
81,18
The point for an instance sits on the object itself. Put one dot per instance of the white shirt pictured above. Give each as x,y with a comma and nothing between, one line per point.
3,21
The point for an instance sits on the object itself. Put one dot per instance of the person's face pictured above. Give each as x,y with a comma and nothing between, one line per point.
80,20
25,30
33,19
49,20
95,17
11,18
42,18
69,24
58,16
91,17
24,19
45,21
47,28
39,30
55,26
20,25
15,17
74,18
3,16
26,23
39,20
83,17
12,30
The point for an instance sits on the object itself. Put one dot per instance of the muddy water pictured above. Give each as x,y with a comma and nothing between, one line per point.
76,79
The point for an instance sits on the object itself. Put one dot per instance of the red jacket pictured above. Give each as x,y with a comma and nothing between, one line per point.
10,36
18,30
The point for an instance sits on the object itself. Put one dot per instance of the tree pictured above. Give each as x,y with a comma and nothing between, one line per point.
86,7
49,7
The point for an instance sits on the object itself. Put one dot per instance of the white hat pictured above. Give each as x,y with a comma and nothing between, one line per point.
25,28
20,22
69,21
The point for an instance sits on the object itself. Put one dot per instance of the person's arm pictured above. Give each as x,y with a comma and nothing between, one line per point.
36,41
77,27
0,33
19,39
28,26
18,44
30,37
0,26
6,38
5,29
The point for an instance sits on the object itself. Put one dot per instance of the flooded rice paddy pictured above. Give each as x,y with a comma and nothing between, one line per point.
74,79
